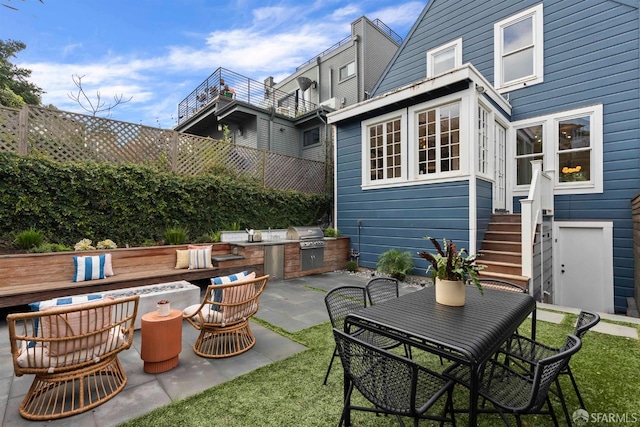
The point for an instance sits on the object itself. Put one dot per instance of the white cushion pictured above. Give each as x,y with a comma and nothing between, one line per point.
88,267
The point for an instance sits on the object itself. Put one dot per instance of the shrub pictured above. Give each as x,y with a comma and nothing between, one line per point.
352,266
176,235
331,232
50,247
395,263
30,238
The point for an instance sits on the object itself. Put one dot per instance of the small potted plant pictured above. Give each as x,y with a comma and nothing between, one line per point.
451,269
163,308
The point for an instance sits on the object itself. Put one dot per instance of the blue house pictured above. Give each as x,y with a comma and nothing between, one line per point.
512,128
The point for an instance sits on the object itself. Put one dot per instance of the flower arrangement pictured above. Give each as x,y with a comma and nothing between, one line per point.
452,264
84,245
106,244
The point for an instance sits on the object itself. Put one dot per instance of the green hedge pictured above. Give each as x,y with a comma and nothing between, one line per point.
131,204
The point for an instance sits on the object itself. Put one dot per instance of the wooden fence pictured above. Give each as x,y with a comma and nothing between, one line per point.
66,136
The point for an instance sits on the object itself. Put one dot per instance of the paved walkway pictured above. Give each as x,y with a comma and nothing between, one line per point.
292,305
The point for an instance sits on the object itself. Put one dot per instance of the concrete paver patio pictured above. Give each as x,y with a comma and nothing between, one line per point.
293,305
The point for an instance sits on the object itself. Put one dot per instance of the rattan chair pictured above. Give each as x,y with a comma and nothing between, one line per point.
394,384
522,349
223,321
515,392
72,351
381,289
340,302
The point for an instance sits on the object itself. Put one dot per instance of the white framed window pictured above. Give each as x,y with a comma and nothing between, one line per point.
384,149
444,58
570,144
437,141
518,50
347,70
529,146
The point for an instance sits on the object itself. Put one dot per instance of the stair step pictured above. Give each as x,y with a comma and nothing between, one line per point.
497,245
502,256
506,218
504,226
506,236
502,267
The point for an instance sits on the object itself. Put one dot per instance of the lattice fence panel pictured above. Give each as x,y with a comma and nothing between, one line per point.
291,173
9,130
66,136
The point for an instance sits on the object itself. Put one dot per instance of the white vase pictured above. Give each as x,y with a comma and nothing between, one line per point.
450,292
163,309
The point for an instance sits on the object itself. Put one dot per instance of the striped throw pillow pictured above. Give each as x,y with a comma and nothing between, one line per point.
88,267
200,258
217,293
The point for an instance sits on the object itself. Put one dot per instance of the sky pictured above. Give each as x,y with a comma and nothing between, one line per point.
157,51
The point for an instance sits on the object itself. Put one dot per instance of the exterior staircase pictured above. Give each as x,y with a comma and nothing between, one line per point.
501,249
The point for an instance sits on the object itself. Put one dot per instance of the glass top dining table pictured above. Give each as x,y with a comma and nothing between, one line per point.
469,334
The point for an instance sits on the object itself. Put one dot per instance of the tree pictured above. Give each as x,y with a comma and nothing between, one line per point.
90,106
15,8
15,87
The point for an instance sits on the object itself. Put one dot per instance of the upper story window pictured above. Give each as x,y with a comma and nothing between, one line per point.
519,50
383,149
569,143
348,70
311,137
444,58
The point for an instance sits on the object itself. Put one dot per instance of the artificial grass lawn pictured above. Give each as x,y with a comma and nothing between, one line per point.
290,392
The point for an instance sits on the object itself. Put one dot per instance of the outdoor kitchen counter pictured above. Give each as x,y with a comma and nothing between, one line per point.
335,257
263,243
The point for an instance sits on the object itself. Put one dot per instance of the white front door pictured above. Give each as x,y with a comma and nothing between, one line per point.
583,265
500,186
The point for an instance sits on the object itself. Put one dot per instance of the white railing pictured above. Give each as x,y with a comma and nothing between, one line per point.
539,201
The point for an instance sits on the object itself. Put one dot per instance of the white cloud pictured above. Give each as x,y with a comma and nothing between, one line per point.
273,42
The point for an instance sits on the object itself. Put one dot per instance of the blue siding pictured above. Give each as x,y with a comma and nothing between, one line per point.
397,218
591,56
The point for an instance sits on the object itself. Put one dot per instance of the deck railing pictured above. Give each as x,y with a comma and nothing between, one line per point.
538,202
226,86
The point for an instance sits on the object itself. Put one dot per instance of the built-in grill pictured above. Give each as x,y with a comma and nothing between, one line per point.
311,245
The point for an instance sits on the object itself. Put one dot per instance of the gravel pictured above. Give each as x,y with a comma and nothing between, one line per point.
408,282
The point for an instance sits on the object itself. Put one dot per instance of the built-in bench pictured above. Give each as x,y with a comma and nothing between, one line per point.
25,278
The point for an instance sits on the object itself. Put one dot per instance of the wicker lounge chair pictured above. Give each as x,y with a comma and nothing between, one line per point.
73,352
223,318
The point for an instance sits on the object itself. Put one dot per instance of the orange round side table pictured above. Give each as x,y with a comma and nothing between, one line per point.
161,341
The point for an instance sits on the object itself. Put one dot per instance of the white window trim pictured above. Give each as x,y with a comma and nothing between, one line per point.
457,54
538,56
366,171
349,75
550,150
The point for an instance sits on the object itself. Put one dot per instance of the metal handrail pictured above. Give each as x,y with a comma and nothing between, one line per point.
326,51
225,86
388,31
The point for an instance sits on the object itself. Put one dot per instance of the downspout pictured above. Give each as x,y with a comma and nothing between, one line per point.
356,39
319,81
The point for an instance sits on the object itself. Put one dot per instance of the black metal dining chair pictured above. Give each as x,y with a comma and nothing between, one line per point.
340,302
382,289
394,384
522,349
516,392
